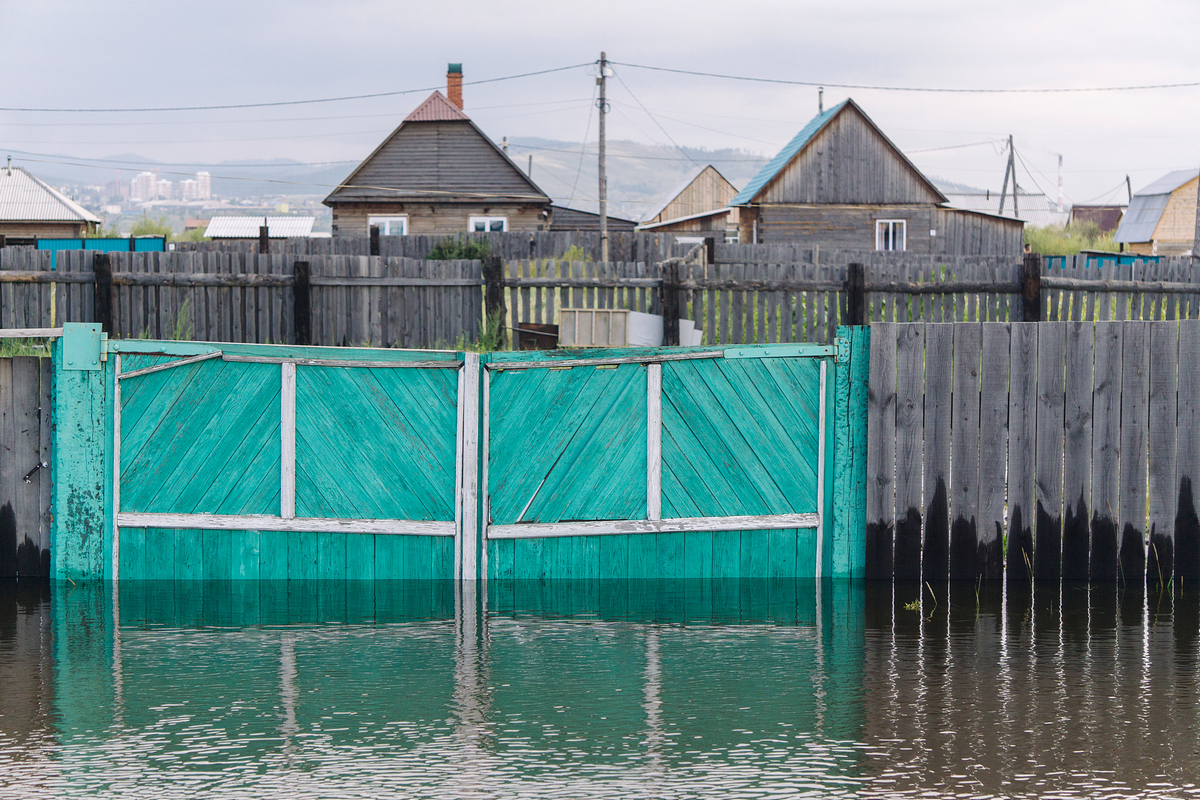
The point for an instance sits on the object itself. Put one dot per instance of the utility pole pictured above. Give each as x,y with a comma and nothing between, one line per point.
602,104
1128,189
1008,170
1196,239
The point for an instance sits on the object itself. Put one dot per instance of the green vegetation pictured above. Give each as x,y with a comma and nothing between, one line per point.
24,347
182,329
459,250
1056,240
489,340
148,226
194,235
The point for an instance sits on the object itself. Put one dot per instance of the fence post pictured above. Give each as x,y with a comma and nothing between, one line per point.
1031,306
302,302
670,303
374,240
264,240
493,297
102,296
856,294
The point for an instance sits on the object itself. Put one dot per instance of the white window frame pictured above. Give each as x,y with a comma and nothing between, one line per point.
388,223
899,225
487,224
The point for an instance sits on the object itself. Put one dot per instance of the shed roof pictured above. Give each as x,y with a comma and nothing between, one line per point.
1147,205
564,218
1032,207
26,198
437,154
802,139
716,212
247,227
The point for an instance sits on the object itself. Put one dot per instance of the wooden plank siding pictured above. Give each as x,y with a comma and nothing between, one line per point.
1072,447
24,483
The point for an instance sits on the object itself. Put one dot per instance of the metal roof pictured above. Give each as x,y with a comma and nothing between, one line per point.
25,198
247,227
436,108
1146,208
647,226
1033,207
784,156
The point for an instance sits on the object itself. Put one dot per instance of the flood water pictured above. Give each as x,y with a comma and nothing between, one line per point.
581,690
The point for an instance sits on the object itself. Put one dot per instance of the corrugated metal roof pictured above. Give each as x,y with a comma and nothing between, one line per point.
247,227
25,198
715,212
436,108
1146,208
784,156
1033,208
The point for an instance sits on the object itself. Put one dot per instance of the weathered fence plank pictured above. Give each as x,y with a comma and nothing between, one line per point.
1187,464
1164,368
1022,429
1077,466
939,351
964,466
993,444
1135,398
1106,450
910,379
881,450
1047,548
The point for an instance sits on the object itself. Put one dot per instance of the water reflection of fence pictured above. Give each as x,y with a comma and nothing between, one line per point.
1065,450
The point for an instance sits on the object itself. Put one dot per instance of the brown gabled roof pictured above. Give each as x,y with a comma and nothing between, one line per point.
436,108
437,154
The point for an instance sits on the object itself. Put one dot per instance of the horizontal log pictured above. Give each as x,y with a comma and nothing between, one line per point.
582,283
946,287
704,284
253,522
1156,287
635,526
374,281
38,276
30,333
330,362
199,279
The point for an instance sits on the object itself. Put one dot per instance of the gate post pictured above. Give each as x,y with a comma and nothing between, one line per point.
849,520
670,302
856,294
302,302
1031,298
494,312
102,292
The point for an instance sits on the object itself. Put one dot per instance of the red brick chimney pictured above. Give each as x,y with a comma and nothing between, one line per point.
454,84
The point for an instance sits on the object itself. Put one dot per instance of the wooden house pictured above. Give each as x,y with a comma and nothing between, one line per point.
840,183
438,174
699,204
1161,219
31,209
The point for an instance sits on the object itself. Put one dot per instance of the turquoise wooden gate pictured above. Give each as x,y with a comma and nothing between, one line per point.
178,460
695,463
298,463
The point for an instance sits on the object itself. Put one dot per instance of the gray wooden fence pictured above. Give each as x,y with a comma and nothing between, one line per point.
24,476
1064,450
408,302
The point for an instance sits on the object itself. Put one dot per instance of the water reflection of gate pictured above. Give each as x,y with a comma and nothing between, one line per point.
657,464
323,684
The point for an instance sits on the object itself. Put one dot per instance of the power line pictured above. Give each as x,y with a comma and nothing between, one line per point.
287,102
953,146
948,90
103,163
582,146
654,120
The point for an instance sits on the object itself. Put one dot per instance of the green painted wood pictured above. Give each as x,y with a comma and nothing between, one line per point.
132,553
568,444
245,555
302,556
81,527
360,557
273,555
189,555
331,555
375,446
350,354
848,477
389,557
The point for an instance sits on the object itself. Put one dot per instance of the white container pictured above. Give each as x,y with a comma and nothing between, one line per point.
617,327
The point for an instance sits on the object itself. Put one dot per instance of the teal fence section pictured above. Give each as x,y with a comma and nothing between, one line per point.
136,244
193,461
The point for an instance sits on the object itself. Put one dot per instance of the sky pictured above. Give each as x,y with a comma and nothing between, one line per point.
62,54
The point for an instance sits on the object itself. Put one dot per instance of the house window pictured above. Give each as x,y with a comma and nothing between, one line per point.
390,226
891,234
488,224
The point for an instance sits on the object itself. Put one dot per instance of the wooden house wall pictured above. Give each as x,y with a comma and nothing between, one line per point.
848,162
1176,231
962,233
351,219
708,192
840,227
43,230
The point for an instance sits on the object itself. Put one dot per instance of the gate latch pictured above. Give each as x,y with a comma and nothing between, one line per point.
84,346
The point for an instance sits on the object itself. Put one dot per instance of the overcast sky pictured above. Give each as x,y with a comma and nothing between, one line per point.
66,54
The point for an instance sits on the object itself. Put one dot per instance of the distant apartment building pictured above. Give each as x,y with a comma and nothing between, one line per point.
203,186
166,190
189,189
143,187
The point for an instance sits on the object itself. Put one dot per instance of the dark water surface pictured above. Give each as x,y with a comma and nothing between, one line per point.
579,690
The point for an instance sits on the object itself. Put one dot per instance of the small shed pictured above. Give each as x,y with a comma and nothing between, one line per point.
1107,218
248,227
842,184
1161,218
699,203
31,209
